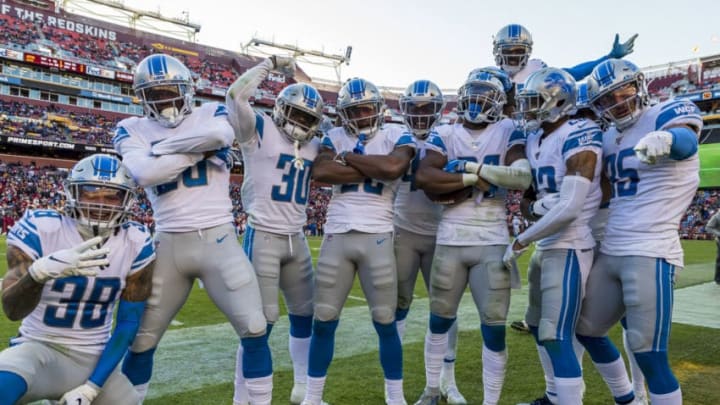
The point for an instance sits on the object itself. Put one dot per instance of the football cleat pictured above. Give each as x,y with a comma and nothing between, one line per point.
544,400
641,398
430,396
452,395
520,326
307,402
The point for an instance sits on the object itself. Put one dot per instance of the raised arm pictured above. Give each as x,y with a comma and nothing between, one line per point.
618,51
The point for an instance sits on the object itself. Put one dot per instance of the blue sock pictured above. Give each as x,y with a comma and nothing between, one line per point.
13,388
438,324
322,347
601,349
257,361
562,355
401,314
657,372
300,326
138,366
493,336
390,350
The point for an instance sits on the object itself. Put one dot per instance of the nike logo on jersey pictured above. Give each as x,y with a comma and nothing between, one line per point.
58,260
220,240
380,241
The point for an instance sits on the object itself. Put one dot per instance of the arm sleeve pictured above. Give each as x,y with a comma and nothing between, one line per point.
214,136
240,114
579,72
573,192
126,327
684,143
149,170
517,176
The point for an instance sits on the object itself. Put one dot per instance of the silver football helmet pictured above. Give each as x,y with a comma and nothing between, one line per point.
360,107
421,105
99,192
512,46
483,95
547,95
165,87
298,112
617,92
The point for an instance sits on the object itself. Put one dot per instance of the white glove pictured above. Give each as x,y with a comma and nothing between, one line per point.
75,261
543,205
654,145
511,255
82,395
284,64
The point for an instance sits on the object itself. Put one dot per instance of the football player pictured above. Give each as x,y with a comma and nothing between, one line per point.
66,274
512,46
278,152
180,155
364,161
651,160
565,155
473,234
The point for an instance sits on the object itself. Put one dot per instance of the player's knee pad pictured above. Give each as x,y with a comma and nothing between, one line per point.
144,342
493,337
234,277
137,366
256,324
271,313
301,309
300,326
638,341
601,349
13,387
326,313
439,324
656,369
257,361
383,314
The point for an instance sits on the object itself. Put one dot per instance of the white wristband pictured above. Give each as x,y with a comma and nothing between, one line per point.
472,167
469,179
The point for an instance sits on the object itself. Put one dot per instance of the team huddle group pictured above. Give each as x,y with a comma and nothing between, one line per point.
607,175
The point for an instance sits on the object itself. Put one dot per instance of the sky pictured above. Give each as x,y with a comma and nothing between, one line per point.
396,42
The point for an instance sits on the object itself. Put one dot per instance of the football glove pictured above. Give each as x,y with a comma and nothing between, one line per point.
619,50
511,255
462,166
284,65
82,395
76,261
222,157
654,145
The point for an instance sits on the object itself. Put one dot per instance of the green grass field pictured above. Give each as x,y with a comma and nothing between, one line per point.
357,378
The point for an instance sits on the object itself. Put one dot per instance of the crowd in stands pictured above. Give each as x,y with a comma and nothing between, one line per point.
28,186
55,123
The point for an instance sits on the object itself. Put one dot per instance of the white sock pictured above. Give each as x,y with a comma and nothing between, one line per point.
579,350
401,329
299,352
260,390
394,391
435,345
451,350
569,390
493,364
615,376
142,389
671,398
638,378
547,366
315,387
241,393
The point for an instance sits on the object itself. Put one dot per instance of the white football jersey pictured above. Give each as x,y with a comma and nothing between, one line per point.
480,220
548,157
532,66
78,311
648,201
414,212
198,198
274,192
367,206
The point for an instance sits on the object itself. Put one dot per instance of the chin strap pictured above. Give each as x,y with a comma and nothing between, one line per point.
298,161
